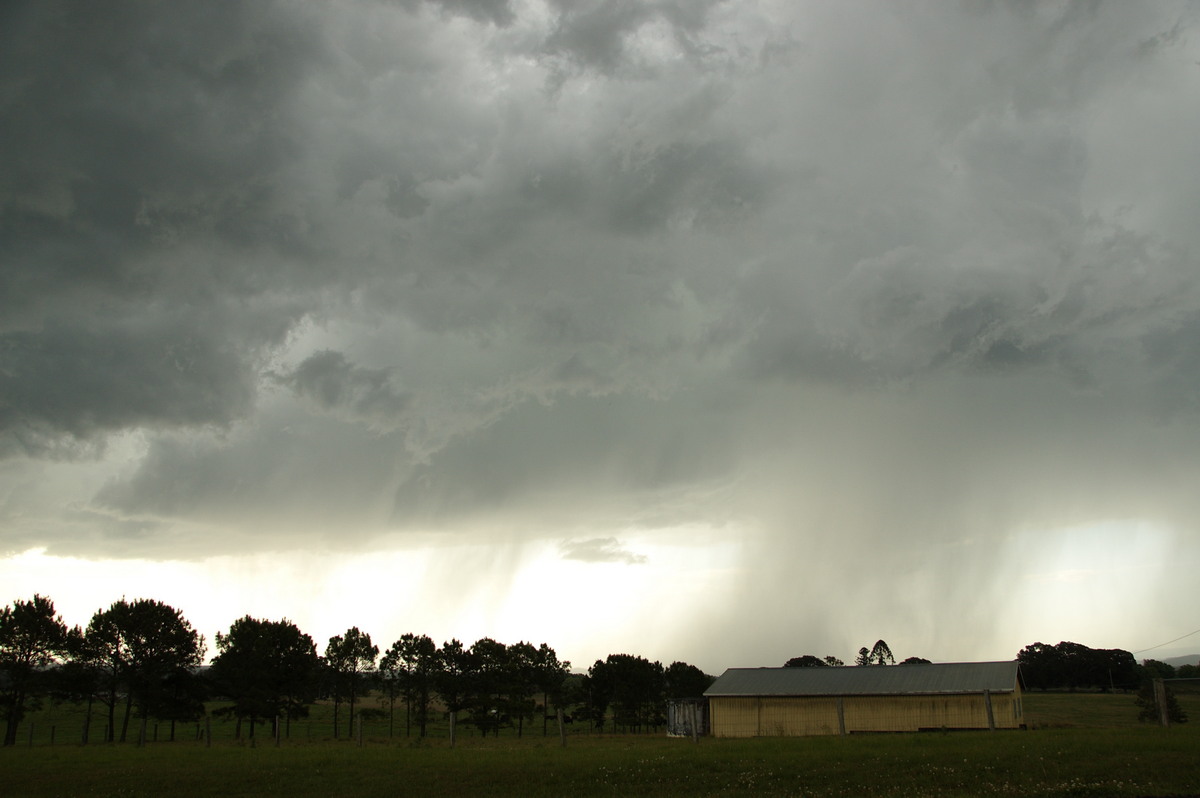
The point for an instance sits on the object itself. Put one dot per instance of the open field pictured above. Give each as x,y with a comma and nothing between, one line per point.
1083,744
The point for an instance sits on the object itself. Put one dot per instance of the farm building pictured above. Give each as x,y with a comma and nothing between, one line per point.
778,702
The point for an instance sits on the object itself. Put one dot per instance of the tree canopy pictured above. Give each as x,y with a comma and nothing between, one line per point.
32,636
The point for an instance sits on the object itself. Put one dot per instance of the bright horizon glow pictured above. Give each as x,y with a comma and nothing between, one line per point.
584,610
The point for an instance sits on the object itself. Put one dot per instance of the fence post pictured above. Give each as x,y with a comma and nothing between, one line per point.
208,731
562,728
31,734
360,730
1160,701
841,710
278,730
987,700
452,717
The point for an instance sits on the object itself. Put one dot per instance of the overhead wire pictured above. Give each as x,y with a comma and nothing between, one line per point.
1169,642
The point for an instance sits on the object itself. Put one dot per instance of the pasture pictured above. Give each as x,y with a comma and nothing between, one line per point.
1078,744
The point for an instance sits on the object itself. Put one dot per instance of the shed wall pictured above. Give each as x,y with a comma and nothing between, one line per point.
783,716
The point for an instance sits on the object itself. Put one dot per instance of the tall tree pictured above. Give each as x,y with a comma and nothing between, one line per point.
523,662
161,645
550,675
881,654
268,669
635,687
454,667
32,636
408,669
349,658
490,679
682,680
105,651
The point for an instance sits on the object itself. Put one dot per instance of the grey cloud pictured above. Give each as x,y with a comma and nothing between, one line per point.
135,125
595,35
334,383
290,478
600,550
550,465
497,12
82,382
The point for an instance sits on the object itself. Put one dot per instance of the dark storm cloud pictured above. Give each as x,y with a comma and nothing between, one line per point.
497,12
139,194
865,289
151,372
336,384
594,34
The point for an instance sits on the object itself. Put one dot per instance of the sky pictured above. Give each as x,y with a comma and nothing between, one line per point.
722,332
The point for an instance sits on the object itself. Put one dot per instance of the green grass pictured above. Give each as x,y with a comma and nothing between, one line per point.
1079,744
1058,762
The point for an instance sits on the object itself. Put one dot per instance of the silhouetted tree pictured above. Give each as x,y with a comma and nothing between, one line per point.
834,662
451,677
1153,669
489,679
864,656
32,636
268,669
549,676
1073,666
635,687
138,646
916,661
806,661
349,658
881,654
523,662
685,681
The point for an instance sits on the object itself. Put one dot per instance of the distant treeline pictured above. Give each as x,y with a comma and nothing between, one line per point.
1073,666
141,660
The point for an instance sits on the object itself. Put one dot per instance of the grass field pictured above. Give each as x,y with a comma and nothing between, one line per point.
1078,745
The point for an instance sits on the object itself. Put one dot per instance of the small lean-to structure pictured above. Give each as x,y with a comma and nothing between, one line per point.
784,702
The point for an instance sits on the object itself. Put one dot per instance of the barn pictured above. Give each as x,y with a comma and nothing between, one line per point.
780,702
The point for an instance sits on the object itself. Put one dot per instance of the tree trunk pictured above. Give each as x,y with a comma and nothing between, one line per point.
111,732
128,711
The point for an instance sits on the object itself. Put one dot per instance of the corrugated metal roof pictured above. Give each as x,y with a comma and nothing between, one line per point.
947,677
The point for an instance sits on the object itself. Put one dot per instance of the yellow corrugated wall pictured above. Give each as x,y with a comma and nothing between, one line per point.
785,717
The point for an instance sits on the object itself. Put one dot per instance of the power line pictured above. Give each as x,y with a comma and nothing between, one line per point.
1169,642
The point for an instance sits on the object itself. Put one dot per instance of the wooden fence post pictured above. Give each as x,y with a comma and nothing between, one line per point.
987,700
208,731
1160,701
562,728
452,717
841,710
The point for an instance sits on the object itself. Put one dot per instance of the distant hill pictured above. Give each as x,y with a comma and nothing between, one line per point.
1189,659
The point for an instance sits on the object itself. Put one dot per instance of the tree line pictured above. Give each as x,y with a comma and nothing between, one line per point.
1074,666
140,660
